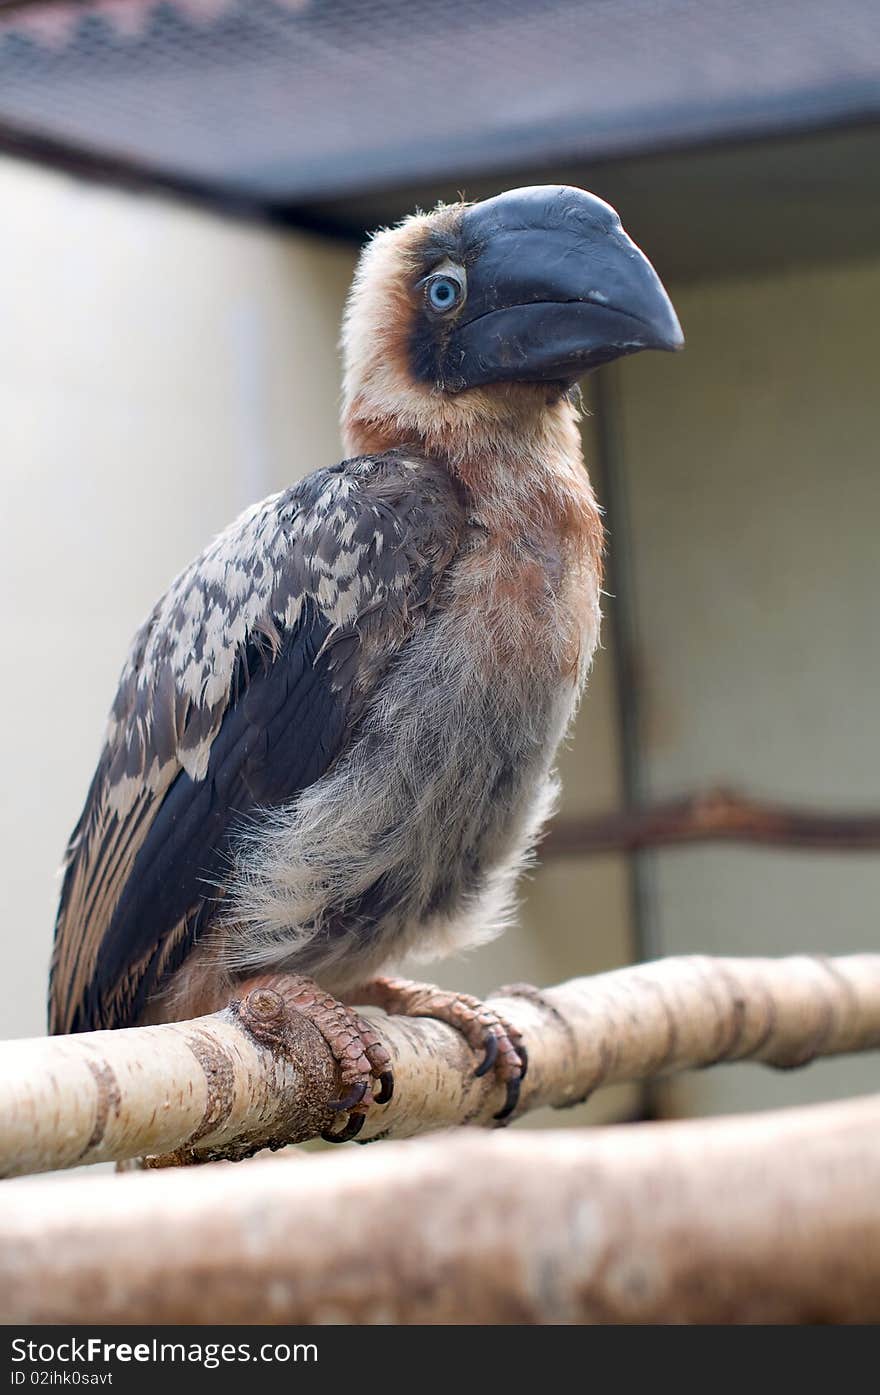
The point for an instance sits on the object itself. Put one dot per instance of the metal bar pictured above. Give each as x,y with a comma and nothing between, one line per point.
623,624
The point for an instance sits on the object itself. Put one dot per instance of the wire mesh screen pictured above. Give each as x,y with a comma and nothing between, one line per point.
290,100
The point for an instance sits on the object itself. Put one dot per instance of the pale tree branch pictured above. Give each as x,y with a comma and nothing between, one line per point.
769,1218
226,1085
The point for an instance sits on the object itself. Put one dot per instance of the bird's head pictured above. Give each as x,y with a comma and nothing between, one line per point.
478,315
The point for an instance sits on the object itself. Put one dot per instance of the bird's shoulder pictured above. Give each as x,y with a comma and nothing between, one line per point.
358,543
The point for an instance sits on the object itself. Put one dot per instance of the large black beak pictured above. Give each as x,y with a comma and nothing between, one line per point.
555,288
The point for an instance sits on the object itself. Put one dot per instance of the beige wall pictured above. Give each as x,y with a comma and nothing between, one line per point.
159,369
753,474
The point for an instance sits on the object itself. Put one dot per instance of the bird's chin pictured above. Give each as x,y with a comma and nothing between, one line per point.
550,342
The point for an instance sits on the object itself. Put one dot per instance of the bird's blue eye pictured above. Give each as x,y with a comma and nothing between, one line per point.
444,293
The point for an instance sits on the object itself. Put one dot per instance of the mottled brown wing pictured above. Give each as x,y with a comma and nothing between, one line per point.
239,691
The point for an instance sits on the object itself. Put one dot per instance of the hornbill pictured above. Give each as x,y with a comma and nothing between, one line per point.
334,736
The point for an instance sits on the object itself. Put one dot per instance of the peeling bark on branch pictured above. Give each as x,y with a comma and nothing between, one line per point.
768,1218
225,1085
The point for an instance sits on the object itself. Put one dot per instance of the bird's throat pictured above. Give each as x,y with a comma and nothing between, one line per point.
519,458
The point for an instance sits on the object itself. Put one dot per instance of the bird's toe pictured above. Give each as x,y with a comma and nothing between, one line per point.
497,1043
350,1129
361,1058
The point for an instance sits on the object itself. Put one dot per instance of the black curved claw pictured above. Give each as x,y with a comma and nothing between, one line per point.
523,1060
512,1100
491,1056
386,1087
354,1096
350,1131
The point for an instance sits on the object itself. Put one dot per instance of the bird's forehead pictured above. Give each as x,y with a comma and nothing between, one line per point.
439,237
461,231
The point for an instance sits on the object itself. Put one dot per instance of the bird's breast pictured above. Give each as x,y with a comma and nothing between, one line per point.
528,601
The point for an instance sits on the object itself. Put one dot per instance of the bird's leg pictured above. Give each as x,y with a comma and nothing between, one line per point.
355,1046
487,1033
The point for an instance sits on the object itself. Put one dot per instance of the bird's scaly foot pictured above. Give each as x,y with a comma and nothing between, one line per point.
355,1046
487,1033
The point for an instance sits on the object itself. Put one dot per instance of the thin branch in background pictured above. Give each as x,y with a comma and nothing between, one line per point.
717,815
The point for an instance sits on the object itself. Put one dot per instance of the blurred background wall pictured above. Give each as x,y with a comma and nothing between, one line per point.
169,355
753,494
160,369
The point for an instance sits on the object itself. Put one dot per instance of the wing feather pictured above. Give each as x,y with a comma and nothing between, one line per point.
239,691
